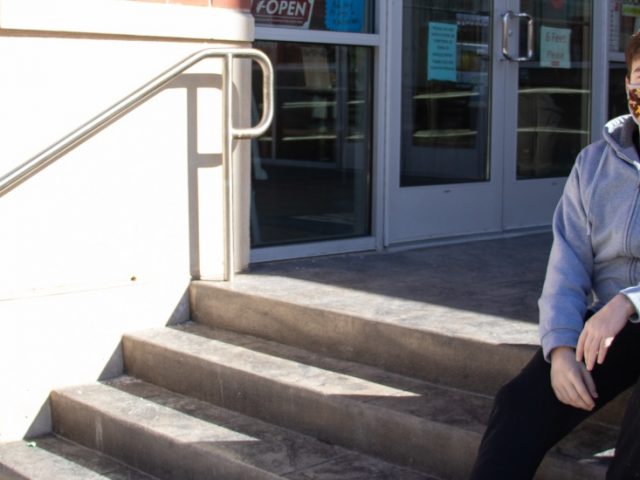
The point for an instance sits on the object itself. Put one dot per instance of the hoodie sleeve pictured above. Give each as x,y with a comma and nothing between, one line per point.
633,294
567,284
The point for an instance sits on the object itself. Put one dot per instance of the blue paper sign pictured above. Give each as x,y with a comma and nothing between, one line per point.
441,48
344,15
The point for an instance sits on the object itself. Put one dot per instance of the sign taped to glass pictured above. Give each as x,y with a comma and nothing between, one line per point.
286,13
555,49
344,15
442,59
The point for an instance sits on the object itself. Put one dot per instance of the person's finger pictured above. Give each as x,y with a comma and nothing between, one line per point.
602,350
567,397
567,393
590,384
593,351
559,394
570,397
589,351
583,398
580,346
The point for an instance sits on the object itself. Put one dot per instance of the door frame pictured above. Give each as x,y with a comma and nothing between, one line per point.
519,195
476,204
378,43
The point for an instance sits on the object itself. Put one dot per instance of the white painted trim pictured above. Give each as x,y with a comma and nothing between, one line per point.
313,249
316,36
616,57
121,17
393,108
379,128
600,70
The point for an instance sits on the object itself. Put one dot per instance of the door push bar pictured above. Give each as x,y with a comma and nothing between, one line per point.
507,32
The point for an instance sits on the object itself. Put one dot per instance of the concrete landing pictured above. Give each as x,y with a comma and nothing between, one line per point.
485,290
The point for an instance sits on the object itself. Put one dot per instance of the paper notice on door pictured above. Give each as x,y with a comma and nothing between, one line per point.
555,49
317,74
344,15
442,61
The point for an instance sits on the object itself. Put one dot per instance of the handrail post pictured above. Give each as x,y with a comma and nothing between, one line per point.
230,133
227,165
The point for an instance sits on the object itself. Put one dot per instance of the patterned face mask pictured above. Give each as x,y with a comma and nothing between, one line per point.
633,97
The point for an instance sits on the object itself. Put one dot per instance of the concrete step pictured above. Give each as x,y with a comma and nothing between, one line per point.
176,437
460,349
438,346
403,420
52,458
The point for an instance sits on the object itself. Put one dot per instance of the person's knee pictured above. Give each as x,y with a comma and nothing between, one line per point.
512,395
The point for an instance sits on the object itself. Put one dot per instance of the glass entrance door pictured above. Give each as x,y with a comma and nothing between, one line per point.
553,99
441,182
494,107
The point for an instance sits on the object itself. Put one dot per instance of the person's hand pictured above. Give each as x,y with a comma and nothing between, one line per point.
600,330
571,381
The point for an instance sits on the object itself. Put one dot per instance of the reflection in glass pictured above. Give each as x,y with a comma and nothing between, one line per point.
623,21
334,15
617,90
311,173
445,82
554,89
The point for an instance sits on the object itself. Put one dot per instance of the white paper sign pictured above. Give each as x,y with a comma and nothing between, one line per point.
555,49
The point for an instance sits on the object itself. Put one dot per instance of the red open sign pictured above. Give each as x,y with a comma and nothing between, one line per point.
290,13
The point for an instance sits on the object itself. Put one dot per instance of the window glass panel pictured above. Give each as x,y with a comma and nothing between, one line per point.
617,90
554,95
312,171
333,15
624,20
445,84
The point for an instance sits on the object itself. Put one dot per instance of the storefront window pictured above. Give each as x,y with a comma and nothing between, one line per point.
334,15
312,171
445,83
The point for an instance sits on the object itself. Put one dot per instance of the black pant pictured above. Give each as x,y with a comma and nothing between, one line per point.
527,418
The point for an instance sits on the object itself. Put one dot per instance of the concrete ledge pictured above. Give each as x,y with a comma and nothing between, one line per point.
120,17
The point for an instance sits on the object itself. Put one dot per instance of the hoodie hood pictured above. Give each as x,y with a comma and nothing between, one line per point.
618,133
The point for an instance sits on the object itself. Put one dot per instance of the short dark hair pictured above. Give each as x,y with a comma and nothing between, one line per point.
632,50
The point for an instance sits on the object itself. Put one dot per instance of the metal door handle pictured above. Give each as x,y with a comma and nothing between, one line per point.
506,34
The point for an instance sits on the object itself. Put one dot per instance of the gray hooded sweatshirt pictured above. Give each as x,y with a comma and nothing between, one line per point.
596,229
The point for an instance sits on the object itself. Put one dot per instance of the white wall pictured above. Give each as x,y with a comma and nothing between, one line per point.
106,239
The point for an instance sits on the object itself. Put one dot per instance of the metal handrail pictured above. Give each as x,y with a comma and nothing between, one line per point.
49,155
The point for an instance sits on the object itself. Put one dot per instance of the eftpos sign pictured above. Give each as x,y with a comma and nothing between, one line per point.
287,13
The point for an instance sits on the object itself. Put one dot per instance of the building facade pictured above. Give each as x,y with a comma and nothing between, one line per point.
403,123
397,124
